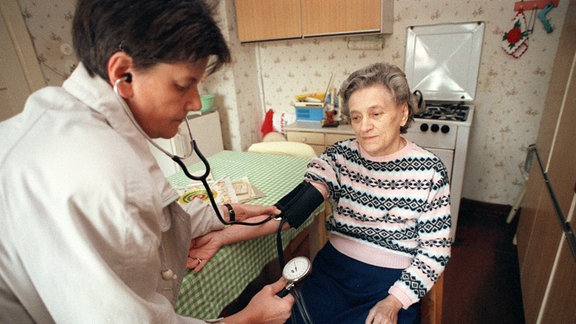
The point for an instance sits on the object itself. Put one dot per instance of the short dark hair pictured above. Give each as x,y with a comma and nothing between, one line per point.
150,31
388,75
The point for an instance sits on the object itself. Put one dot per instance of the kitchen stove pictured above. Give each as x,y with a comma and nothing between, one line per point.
442,62
457,112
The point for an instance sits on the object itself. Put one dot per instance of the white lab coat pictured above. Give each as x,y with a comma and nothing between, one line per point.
88,220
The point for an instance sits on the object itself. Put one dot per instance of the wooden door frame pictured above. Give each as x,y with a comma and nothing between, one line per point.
10,11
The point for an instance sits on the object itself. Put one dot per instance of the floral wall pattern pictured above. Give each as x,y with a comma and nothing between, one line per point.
509,99
49,25
510,92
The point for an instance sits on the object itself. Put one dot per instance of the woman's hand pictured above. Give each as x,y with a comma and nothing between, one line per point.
266,306
202,249
385,311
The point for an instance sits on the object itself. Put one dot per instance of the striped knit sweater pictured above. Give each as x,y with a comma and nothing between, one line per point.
391,211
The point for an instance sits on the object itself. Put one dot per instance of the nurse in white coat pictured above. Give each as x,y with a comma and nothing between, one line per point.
90,228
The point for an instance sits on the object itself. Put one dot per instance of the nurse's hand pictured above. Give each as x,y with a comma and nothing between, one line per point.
205,247
385,311
245,211
202,249
266,306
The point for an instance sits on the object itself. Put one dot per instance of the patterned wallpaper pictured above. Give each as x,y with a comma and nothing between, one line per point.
510,94
49,25
509,99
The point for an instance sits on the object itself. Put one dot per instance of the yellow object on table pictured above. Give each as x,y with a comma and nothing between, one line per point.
222,280
310,96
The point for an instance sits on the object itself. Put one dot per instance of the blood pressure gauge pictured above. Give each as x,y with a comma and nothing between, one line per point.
294,271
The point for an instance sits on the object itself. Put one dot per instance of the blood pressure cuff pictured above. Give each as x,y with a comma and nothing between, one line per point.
299,203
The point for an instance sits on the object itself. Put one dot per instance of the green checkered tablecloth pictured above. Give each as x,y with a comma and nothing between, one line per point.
204,295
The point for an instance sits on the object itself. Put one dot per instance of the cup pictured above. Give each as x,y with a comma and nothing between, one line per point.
207,101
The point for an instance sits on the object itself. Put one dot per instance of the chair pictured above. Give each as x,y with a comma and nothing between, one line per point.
274,137
283,147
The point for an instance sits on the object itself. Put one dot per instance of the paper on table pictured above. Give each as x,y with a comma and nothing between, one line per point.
222,190
181,189
225,191
245,191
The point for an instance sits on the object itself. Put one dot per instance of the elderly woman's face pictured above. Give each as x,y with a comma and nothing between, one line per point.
163,96
376,119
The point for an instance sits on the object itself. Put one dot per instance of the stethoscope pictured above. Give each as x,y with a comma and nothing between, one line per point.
194,149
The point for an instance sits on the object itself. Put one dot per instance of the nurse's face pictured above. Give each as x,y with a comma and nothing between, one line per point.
376,119
164,94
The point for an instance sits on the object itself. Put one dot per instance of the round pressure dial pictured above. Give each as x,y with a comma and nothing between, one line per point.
293,271
297,268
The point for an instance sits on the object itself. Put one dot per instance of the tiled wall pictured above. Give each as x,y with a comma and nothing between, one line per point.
510,94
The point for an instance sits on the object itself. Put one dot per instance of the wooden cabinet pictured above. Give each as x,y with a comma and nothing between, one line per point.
331,138
312,134
547,265
325,17
261,20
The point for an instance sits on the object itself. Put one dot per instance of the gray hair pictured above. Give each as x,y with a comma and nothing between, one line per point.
388,75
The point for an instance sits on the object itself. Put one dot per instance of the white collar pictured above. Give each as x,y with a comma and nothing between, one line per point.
99,96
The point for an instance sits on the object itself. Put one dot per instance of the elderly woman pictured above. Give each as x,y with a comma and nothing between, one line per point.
390,223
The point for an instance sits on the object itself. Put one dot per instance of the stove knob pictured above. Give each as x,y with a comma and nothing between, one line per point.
445,129
435,128
424,127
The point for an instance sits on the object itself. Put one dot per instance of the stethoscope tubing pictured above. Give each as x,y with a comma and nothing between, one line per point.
202,178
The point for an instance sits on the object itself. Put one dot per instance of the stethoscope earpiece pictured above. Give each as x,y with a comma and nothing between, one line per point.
127,77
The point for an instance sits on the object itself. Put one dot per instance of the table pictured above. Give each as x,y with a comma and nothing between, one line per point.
223,279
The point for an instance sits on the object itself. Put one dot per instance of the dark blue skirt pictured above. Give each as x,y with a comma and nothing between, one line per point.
343,290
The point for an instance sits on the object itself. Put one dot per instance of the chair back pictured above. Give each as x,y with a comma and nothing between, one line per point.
284,147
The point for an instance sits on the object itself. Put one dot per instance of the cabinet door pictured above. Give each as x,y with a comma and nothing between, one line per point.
267,20
537,248
322,17
310,138
561,167
556,137
562,293
547,267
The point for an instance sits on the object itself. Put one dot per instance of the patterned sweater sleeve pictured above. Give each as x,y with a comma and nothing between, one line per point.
323,169
434,244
